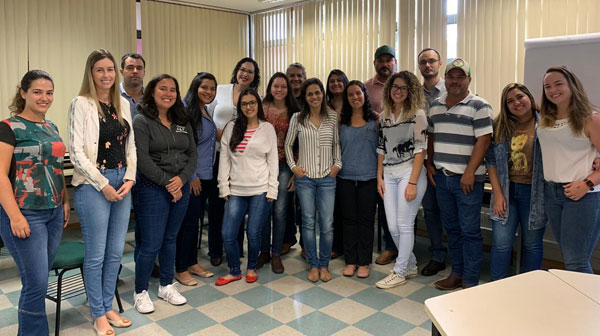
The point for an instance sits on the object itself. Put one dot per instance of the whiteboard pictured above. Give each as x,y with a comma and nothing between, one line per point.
579,52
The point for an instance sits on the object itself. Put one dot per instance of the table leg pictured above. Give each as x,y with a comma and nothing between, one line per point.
434,331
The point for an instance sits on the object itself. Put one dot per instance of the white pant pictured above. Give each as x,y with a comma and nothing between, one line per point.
401,217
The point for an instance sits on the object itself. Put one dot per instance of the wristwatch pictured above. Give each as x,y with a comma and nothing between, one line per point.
589,183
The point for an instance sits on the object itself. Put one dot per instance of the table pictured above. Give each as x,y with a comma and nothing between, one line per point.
533,303
587,284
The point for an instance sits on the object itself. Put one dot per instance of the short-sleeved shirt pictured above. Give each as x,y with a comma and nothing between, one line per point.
399,140
111,139
375,90
36,171
456,130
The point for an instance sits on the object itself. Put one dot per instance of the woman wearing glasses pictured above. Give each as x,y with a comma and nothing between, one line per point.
223,109
248,170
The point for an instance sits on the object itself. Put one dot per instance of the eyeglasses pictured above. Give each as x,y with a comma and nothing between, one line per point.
401,88
428,61
249,104
249,72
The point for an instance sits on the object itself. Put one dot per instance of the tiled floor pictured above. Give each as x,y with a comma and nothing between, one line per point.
278,304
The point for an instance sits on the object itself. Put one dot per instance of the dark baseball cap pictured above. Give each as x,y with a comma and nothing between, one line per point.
385,49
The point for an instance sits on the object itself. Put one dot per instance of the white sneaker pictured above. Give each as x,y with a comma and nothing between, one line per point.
170,294
412,273
391,281
142,303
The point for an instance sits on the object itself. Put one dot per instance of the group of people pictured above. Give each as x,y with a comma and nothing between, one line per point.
309,153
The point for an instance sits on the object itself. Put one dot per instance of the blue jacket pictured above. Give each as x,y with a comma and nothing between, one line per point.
497,156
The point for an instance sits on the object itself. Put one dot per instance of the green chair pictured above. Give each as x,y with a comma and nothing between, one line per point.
69,257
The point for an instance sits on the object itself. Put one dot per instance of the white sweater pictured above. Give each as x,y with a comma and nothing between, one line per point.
254,171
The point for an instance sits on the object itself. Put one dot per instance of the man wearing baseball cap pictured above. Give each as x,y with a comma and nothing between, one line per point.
461,123
385,66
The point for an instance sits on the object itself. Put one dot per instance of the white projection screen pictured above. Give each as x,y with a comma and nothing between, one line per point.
581,53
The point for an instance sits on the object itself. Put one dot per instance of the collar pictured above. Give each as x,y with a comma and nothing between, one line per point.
125,94
377,81
467,99
439,86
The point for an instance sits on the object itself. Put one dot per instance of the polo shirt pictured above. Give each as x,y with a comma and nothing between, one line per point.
456,130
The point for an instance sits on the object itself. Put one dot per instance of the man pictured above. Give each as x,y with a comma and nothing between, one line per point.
385,65
296,74
462,132
133,69
429,64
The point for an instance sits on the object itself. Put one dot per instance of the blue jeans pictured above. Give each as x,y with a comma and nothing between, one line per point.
104,227
187,239
519,202
431,210
235,209
461,216
576,225
158,220
279,215
401,217
34,256
317,195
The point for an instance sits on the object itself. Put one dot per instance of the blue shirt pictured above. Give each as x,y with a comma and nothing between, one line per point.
359,152
207,137
132,102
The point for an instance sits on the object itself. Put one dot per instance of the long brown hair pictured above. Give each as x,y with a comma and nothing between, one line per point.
580,107
505,122
18,103
88,88
305,112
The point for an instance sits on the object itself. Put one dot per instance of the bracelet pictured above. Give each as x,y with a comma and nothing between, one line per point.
412,183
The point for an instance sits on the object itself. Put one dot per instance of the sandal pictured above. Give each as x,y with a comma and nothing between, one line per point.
349,270
203,274
186,282
363,272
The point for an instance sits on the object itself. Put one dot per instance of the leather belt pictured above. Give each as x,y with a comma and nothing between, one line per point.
448,173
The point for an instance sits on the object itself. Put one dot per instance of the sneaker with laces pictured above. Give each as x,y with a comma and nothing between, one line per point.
391,281
412,273
142,302
170,294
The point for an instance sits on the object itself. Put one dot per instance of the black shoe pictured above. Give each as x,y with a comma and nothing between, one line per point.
263,258
216,261
433,268
155,271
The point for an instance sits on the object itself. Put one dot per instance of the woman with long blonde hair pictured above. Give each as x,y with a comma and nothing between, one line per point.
569,135
401,178
102,150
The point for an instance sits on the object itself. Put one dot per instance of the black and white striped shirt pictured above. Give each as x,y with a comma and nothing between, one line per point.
319,148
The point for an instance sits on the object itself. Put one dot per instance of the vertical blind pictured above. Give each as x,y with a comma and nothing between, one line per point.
344,34
182,41
491,36
57,36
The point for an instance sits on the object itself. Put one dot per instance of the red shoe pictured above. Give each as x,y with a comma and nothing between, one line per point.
251,278
222,281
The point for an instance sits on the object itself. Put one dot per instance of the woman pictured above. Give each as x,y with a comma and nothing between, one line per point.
246,74
336,84
32,215
167,155
515,170
279,105
102,150
201,93
318,163
357,181
401,179
247,181
569,134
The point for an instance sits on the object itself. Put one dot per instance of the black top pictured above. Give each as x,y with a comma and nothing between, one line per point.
8,136
112,139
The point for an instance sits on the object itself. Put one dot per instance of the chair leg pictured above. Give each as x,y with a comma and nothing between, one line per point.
117,296
58,300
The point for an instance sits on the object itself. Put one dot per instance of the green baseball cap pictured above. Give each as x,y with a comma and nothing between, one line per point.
385,49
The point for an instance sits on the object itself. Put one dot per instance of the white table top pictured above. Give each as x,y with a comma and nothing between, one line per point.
533,303
588,284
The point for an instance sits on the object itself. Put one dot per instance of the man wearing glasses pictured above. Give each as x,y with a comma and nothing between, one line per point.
433,85
461,123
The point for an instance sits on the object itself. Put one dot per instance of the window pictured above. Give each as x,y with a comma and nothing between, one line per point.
451,28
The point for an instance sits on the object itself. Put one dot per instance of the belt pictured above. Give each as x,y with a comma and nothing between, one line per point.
448,173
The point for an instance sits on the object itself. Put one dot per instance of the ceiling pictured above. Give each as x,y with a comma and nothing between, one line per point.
248,6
